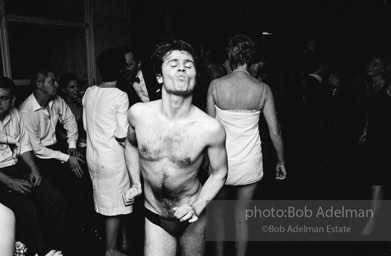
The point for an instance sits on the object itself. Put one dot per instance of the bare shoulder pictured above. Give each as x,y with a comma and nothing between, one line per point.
266,88
142,109
209,125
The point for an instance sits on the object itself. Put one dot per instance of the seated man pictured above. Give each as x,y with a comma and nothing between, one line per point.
40,112
22,188
170,136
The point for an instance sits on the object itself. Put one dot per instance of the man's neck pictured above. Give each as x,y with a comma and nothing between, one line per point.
175,106
41,98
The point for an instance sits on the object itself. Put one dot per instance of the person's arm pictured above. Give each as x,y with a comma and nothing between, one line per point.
67,118
363,136
121,119
274,132
7,226
15,185
132,157
7,139
40,150
27,154
210,101
35,175
218,174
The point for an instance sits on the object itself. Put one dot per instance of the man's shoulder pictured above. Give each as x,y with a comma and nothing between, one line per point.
14,115
25,105
207,122
143,108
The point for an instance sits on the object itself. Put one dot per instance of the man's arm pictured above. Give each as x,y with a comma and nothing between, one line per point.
274,132
40,150
35,175
218,168
15,185
67,118
132,156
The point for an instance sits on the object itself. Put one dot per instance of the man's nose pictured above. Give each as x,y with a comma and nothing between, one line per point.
181,67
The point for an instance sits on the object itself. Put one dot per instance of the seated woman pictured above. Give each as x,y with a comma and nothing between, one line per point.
70,92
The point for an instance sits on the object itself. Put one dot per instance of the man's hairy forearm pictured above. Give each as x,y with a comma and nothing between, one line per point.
28,159
210,189
132,162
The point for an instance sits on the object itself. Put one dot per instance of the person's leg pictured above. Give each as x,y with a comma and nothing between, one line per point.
112,229
124,234
218,217
51,204
376,202
192,242
157,241
244,196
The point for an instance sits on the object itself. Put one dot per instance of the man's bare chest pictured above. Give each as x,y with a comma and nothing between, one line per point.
179,145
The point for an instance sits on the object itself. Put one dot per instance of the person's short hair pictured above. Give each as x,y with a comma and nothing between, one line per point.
39,75
110,63
66,78
7,84
240,50
165,48
127,48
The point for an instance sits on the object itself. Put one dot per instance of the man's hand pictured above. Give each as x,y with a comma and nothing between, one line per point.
363,138
35,178
19,186
73,162
129,195
280,171
75,152
185,212
14,145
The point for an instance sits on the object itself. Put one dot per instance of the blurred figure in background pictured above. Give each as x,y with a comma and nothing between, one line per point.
376,135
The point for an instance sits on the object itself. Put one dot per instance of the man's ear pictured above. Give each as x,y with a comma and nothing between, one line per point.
13,101
39,85
159,79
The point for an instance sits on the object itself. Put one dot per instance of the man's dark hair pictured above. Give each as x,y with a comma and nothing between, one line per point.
38,75
240,50
110,62
7,84
66,78
166,47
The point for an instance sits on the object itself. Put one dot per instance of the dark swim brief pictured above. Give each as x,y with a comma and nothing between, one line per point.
172,225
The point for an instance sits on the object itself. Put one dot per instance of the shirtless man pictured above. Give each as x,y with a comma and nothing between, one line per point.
166,142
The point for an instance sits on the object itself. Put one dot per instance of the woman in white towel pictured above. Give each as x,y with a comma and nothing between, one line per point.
237,100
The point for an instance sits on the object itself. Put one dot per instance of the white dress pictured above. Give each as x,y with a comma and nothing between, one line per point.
243,145
104,119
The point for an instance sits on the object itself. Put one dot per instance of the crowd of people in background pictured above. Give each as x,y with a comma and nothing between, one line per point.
68,152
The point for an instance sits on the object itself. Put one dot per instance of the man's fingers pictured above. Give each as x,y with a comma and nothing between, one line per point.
76,170
81,160
194,218
187,216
